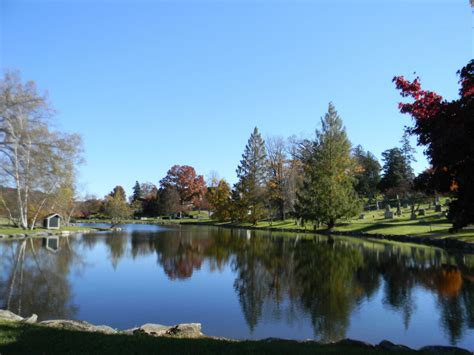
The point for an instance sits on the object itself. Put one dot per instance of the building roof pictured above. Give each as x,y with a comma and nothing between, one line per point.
53,215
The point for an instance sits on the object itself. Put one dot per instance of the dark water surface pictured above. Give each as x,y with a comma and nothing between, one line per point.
245,284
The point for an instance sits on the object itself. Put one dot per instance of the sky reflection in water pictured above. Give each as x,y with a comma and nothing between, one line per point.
245,284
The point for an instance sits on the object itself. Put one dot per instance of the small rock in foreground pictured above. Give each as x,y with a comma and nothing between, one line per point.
78,325
186,330
31,319
9,316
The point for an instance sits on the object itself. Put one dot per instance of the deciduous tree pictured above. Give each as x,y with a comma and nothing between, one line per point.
186,182
34,160
446,130
219,198
278,175
169,201
90,206
116,207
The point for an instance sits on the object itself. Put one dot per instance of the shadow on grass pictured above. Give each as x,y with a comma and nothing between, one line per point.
16,338
370,227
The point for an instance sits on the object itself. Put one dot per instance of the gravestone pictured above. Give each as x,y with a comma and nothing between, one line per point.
413,216
438,208
388,213
421,212
362,216
399,209
377,207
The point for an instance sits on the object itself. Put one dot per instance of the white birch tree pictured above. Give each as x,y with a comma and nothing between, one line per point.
35,161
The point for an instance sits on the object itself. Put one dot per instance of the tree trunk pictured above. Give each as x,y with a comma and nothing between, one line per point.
331,224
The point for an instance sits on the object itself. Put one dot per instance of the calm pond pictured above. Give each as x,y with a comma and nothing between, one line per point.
245,284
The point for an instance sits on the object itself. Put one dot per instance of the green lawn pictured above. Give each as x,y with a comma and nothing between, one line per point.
433,224
18,338
8,230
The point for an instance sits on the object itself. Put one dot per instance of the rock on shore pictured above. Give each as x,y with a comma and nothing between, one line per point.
78,325
186,330
9,316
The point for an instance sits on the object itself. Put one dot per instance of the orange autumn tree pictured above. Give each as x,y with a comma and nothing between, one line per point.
446,130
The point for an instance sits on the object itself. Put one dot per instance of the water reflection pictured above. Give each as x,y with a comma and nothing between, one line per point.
34,277
276,278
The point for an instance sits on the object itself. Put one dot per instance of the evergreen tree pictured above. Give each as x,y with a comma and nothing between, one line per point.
252,177
397,175
408,153
137,192
367,172
328,191
136,203
238,207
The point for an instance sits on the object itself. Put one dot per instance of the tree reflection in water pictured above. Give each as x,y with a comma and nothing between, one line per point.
276,276
35,279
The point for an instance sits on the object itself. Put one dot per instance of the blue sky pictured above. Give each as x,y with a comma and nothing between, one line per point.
152,84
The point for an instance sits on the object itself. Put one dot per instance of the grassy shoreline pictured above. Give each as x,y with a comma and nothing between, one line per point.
431,229
22,338
9,233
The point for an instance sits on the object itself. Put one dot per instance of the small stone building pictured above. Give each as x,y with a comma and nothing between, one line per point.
53,221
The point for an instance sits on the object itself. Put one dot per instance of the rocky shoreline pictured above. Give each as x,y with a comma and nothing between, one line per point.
193,331
184,330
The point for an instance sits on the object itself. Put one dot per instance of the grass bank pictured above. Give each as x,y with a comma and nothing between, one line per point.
432,228
431,225
20,338
428,229
8,232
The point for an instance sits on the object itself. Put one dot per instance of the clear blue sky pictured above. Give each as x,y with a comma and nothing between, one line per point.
152,84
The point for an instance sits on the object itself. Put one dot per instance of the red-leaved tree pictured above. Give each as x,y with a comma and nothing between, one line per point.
190,186
446,129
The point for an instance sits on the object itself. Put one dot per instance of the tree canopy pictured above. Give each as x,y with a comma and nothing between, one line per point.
252,175
367,172
186,182
446,130
35,161
328,192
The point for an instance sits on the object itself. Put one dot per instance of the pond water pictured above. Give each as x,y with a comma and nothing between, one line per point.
245,284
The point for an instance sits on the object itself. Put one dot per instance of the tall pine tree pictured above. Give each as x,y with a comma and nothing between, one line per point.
328,191
397,175
252,178
367,173
137,192
408,153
